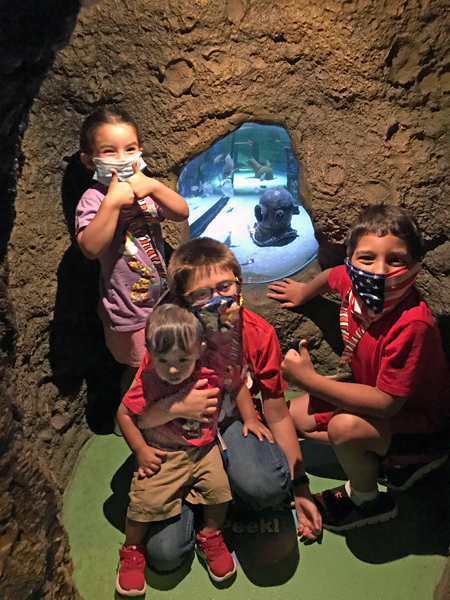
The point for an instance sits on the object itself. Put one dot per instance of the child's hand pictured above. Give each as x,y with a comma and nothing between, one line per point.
259,429
120,193
297,366
309,519
288,291
198,404
141,185
150,460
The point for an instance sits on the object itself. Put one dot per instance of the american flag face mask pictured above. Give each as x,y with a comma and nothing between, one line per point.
372,296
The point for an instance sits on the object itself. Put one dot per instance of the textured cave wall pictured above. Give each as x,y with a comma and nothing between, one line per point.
34,550
362,88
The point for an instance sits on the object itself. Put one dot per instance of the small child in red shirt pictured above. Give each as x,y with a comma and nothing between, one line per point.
192,466
400,401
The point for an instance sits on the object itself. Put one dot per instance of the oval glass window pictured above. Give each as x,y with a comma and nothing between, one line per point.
243,191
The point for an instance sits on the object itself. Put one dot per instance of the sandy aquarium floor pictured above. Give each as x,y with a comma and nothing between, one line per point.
231,226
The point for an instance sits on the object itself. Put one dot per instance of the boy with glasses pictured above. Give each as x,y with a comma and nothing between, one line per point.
205,277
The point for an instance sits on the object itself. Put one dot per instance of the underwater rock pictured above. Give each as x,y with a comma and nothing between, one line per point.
273,214
260,170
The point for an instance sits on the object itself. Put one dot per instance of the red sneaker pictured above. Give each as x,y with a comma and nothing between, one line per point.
130,578
212,550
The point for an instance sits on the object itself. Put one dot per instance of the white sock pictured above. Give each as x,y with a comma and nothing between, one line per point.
360,497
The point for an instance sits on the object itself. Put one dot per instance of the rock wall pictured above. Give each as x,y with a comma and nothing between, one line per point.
362,88
34,550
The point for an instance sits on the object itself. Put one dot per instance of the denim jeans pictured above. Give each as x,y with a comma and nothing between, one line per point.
258,472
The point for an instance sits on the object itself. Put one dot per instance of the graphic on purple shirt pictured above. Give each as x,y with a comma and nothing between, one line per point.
129,282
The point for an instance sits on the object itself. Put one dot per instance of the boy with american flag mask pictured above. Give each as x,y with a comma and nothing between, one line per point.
396,413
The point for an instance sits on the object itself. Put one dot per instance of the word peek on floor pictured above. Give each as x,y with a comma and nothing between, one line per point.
261,526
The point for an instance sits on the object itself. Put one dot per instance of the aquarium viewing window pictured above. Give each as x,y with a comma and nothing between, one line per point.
243,191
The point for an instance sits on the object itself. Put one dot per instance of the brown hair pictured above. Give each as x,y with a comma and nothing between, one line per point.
382,219
170,325
101,116
200,254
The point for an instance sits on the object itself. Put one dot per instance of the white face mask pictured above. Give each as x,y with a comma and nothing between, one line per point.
123,166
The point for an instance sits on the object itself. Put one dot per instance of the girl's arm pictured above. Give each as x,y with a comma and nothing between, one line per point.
149,458
248,413
352,397
174,207
96,237
293,293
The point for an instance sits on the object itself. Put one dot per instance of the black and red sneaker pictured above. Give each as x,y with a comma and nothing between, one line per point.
339,513
130,578
212,550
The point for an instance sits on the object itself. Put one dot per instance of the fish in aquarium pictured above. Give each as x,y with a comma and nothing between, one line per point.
260,170
207,188
218,158
273,215
228,166
227,188
204,189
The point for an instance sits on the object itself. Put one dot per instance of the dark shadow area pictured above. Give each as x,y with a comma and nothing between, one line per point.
265,544
167,581
321,461
115,507
443,322
421,527
325,314
77,347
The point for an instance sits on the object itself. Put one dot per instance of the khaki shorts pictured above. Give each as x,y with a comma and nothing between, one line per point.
181,478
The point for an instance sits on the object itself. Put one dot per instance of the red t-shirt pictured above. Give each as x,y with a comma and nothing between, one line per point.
262,357
402,355
149,388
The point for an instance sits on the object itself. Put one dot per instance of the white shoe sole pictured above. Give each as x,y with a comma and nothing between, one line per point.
427,468
215,577
369,521
129,592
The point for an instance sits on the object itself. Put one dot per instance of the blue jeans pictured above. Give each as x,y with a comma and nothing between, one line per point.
258,472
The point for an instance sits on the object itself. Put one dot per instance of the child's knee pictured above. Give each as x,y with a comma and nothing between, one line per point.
305,423
344,427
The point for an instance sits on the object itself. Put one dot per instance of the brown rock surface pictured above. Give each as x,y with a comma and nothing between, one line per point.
362,88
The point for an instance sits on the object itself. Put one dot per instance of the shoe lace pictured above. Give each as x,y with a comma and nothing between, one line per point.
213,547
131,560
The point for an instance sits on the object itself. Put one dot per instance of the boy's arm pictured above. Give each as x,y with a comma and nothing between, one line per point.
197,404
97,235
248,413
281,425
293,293
149,458
352,397
174,207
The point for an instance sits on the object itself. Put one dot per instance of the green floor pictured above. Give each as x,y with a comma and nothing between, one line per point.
400,560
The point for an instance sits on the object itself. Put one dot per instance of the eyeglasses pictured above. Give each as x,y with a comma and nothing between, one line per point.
224,288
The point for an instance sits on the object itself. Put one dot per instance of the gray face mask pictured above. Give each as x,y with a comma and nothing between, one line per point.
123,166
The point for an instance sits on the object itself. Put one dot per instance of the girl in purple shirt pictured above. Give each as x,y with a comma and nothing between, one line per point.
118,221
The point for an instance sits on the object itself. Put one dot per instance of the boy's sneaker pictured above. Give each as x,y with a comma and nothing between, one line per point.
339,513
130,578
212,550
403,477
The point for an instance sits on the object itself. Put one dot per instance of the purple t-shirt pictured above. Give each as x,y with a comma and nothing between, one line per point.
129,282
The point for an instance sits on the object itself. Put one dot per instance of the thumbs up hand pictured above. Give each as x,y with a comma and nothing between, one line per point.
141,184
